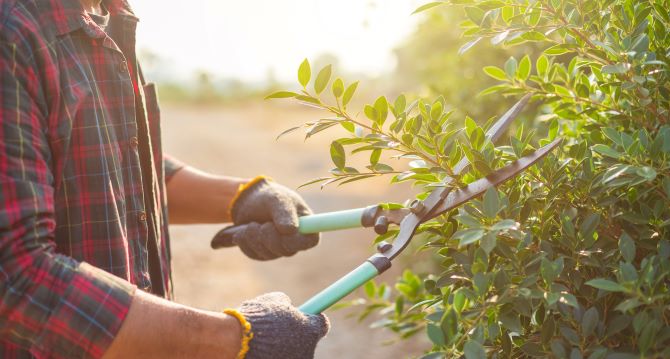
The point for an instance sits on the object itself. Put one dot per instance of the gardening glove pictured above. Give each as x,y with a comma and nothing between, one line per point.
273,328
265,216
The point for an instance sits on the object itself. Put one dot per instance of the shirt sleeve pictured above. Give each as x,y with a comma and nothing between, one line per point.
50,304
172,166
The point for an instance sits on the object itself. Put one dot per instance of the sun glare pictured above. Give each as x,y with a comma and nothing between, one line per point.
252,40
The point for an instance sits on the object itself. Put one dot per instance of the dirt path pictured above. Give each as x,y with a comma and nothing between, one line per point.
240,141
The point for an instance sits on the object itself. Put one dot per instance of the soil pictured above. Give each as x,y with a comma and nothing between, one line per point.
240,141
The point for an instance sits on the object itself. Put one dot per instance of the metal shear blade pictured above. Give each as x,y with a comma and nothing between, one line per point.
445,199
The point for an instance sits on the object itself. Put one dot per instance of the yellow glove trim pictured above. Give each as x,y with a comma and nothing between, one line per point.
244,187
247,335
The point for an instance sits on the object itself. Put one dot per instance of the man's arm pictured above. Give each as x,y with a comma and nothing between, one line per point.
157,328
195,196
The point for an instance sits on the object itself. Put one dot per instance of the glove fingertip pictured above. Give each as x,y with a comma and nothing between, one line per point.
321,324
287,225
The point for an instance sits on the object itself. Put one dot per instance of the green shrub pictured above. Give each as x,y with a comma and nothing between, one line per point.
570,259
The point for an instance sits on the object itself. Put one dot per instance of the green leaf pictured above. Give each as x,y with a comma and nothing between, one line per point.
459,300
590,321
505,224
374,156
495,72
449,325
382,168
470,125
468,45
559,49
553,129
510,67
500,37
475,14
615,69
322,79
281,94
304,73
337,154
480,283
435,334
533,36
468,236
606,285
338,87
612,134
551,270
371,113
507,13
524,68
349,93
436,111
548,330
647,173
468,220
606,151
382,109
628,305
627,247
569,299
488,243
541,65
292,129
474,350
427,6
491,203
534,17
370,288
589,225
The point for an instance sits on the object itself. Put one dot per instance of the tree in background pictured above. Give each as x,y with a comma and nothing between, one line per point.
428,64
570,259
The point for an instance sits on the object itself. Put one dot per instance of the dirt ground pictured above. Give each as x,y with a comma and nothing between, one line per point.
240,141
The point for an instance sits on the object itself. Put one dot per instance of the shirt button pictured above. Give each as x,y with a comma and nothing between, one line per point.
123,67
134,142
142,217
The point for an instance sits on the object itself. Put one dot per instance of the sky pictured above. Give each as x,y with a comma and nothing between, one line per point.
248,39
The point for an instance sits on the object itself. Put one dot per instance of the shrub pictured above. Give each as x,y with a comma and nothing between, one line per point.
570,259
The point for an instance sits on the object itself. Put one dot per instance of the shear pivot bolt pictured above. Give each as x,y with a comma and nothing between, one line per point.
417,206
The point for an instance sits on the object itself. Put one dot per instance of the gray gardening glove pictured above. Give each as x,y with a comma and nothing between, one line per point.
280,330
265,220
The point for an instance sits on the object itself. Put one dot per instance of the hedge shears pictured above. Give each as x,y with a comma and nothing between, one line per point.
443,198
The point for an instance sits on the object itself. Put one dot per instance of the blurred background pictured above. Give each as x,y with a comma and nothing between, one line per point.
215,60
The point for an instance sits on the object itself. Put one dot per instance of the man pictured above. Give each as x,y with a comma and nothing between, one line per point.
83,204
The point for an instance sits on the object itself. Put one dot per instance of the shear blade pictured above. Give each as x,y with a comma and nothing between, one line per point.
478,187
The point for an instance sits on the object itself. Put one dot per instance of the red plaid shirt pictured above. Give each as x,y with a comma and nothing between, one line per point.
81,179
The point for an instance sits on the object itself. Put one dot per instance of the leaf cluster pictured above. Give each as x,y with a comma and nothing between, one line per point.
570,259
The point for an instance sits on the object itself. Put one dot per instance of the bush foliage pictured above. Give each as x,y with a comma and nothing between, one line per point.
570,259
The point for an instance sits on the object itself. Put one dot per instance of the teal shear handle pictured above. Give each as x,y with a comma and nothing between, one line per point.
345,285
333,221
315,223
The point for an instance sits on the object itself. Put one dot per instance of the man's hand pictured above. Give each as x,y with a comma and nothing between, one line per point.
280,330
269,213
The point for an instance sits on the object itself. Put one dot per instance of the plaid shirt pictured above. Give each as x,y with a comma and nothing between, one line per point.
82,199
